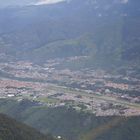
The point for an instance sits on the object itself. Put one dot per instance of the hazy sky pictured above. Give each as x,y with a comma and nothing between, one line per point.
4,3
48,1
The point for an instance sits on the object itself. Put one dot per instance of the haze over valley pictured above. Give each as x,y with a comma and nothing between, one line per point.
71,68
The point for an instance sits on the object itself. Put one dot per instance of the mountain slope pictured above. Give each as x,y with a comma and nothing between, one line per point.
13,130
72,124
107,31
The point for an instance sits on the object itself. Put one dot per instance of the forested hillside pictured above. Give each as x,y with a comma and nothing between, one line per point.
71,124
106,31
13,130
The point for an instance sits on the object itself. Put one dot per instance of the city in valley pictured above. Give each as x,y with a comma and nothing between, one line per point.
91,90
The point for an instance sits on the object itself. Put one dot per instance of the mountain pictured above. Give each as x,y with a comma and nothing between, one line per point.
107,31
13,130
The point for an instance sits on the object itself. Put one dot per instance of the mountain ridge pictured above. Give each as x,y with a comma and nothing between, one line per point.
109,26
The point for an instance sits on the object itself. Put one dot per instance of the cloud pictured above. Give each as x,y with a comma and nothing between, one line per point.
5,3
124,1
41,2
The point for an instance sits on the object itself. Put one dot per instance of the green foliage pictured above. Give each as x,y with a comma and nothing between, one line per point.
73,125
71,30
13,130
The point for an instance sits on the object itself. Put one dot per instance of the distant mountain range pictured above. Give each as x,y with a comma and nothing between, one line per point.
107,31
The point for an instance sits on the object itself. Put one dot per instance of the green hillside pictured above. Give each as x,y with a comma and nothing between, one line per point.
71,124
10,129
106,31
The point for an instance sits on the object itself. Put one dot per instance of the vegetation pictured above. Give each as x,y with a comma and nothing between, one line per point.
72,124
10,129
107,31
109,38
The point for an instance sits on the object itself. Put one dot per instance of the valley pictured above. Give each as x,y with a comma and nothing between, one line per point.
70,69
92,90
